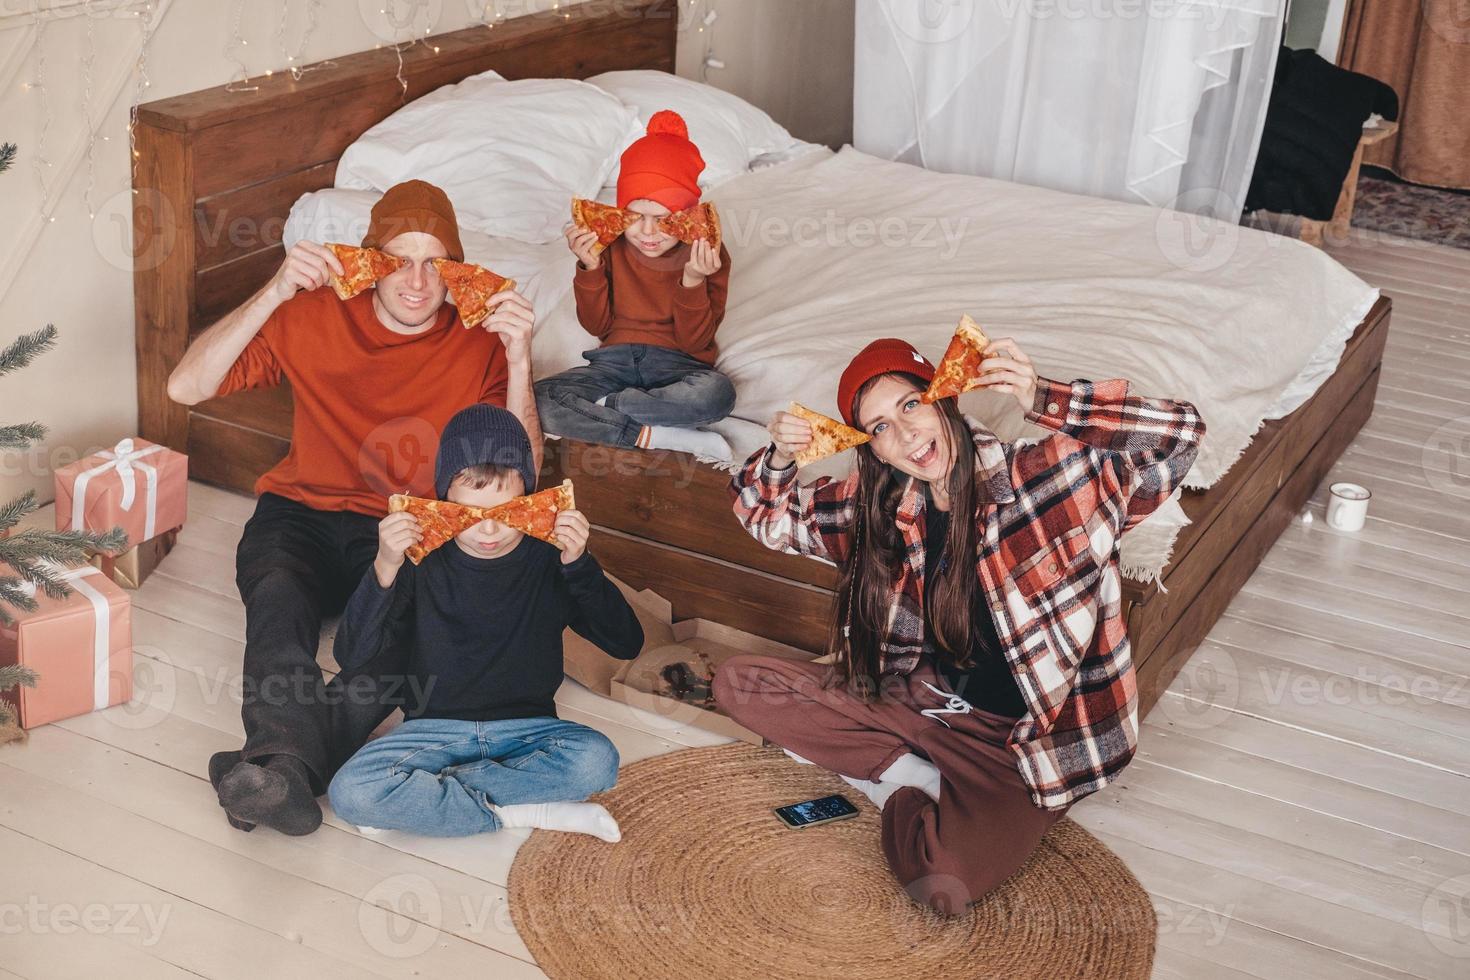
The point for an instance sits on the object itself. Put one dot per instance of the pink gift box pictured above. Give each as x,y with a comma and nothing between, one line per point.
81,646
137,485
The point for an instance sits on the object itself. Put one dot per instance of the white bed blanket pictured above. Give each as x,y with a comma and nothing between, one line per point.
831,251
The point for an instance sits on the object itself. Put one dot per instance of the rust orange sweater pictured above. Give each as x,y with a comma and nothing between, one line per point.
370,403
632,299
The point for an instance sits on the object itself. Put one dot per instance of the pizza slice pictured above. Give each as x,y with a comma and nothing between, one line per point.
692,224
609,222
829,436
361,269
959,371
471,286
536,514
440,521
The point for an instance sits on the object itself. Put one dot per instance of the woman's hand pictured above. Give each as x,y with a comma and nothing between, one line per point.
790,434
704,261
1007,368
396,534
571,530
583,244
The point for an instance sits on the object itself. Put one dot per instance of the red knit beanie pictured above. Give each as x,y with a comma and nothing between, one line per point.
662,166
886,356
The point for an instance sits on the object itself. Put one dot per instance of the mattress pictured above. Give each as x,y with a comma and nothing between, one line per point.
830,251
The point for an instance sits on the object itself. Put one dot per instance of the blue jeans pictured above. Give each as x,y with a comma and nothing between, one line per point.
644,385
437,777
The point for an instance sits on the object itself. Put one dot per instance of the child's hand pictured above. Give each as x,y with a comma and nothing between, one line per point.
583,244
704,261
571,533
396,534
790,434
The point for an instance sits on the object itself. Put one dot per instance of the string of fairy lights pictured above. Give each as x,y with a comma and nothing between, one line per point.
405,32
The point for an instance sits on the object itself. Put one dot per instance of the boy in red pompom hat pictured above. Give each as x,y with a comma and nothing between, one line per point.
655,303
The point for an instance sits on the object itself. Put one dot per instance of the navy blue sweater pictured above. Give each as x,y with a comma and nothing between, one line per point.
484,635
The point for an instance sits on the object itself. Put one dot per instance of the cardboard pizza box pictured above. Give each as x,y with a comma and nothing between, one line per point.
703,646
699,644
585,663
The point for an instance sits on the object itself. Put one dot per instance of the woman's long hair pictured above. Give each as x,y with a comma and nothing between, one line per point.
866,580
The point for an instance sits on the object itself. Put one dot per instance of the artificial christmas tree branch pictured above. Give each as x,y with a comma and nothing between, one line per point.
14,675
27,348
33,559
35,555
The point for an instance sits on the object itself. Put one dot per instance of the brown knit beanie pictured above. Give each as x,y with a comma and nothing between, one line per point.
414,205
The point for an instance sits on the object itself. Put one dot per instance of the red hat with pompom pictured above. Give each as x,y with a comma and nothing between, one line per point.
886,356
663,166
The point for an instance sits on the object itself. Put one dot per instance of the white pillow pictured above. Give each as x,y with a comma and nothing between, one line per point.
729,131
510,155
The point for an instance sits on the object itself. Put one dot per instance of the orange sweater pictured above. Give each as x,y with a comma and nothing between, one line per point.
632,299
370,403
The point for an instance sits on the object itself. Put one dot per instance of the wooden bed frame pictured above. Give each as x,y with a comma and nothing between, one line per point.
219,171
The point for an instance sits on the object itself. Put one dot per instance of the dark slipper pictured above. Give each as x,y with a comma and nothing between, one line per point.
219,766
275,796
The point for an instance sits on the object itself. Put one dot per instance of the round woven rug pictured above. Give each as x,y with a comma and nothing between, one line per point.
707,883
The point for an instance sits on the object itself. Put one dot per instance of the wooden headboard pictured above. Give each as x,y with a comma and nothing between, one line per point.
218,171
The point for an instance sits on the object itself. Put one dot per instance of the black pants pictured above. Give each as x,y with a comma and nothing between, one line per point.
295,566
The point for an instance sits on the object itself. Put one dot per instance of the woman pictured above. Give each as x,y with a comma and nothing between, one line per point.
980,679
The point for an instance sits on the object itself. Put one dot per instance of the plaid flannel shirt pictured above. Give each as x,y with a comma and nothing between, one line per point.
1050,517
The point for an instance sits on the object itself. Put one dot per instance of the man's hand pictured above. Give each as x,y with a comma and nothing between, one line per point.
571,532
583,244
790,434
396,534
704,261
307,266
1007,368
513,317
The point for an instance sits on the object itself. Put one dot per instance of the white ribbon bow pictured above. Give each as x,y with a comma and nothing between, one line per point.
124,459
102,623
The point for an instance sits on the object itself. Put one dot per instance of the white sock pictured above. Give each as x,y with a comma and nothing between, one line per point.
877,792
910,770
711,445
573,818
602,401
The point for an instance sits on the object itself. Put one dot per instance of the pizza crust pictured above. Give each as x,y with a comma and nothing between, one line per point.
829,436
361,268
959,369
471,287
692,224
609,223
441,521
536,514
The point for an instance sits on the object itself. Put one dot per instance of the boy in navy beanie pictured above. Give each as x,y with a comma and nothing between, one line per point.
482,618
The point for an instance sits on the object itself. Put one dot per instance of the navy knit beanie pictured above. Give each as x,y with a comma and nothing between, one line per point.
483,434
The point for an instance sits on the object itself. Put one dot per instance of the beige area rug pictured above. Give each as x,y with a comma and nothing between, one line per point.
707,884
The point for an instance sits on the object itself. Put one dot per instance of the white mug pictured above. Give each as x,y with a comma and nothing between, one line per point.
1347,508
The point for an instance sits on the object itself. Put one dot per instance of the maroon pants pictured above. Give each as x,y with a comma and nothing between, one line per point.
946,854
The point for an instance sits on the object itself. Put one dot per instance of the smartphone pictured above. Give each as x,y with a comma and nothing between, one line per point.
825,810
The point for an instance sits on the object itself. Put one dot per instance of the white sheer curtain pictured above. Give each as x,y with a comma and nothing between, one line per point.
1155,101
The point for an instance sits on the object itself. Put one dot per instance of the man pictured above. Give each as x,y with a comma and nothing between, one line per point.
374,379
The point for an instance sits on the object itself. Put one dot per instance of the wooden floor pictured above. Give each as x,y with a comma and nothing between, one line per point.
1300,806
